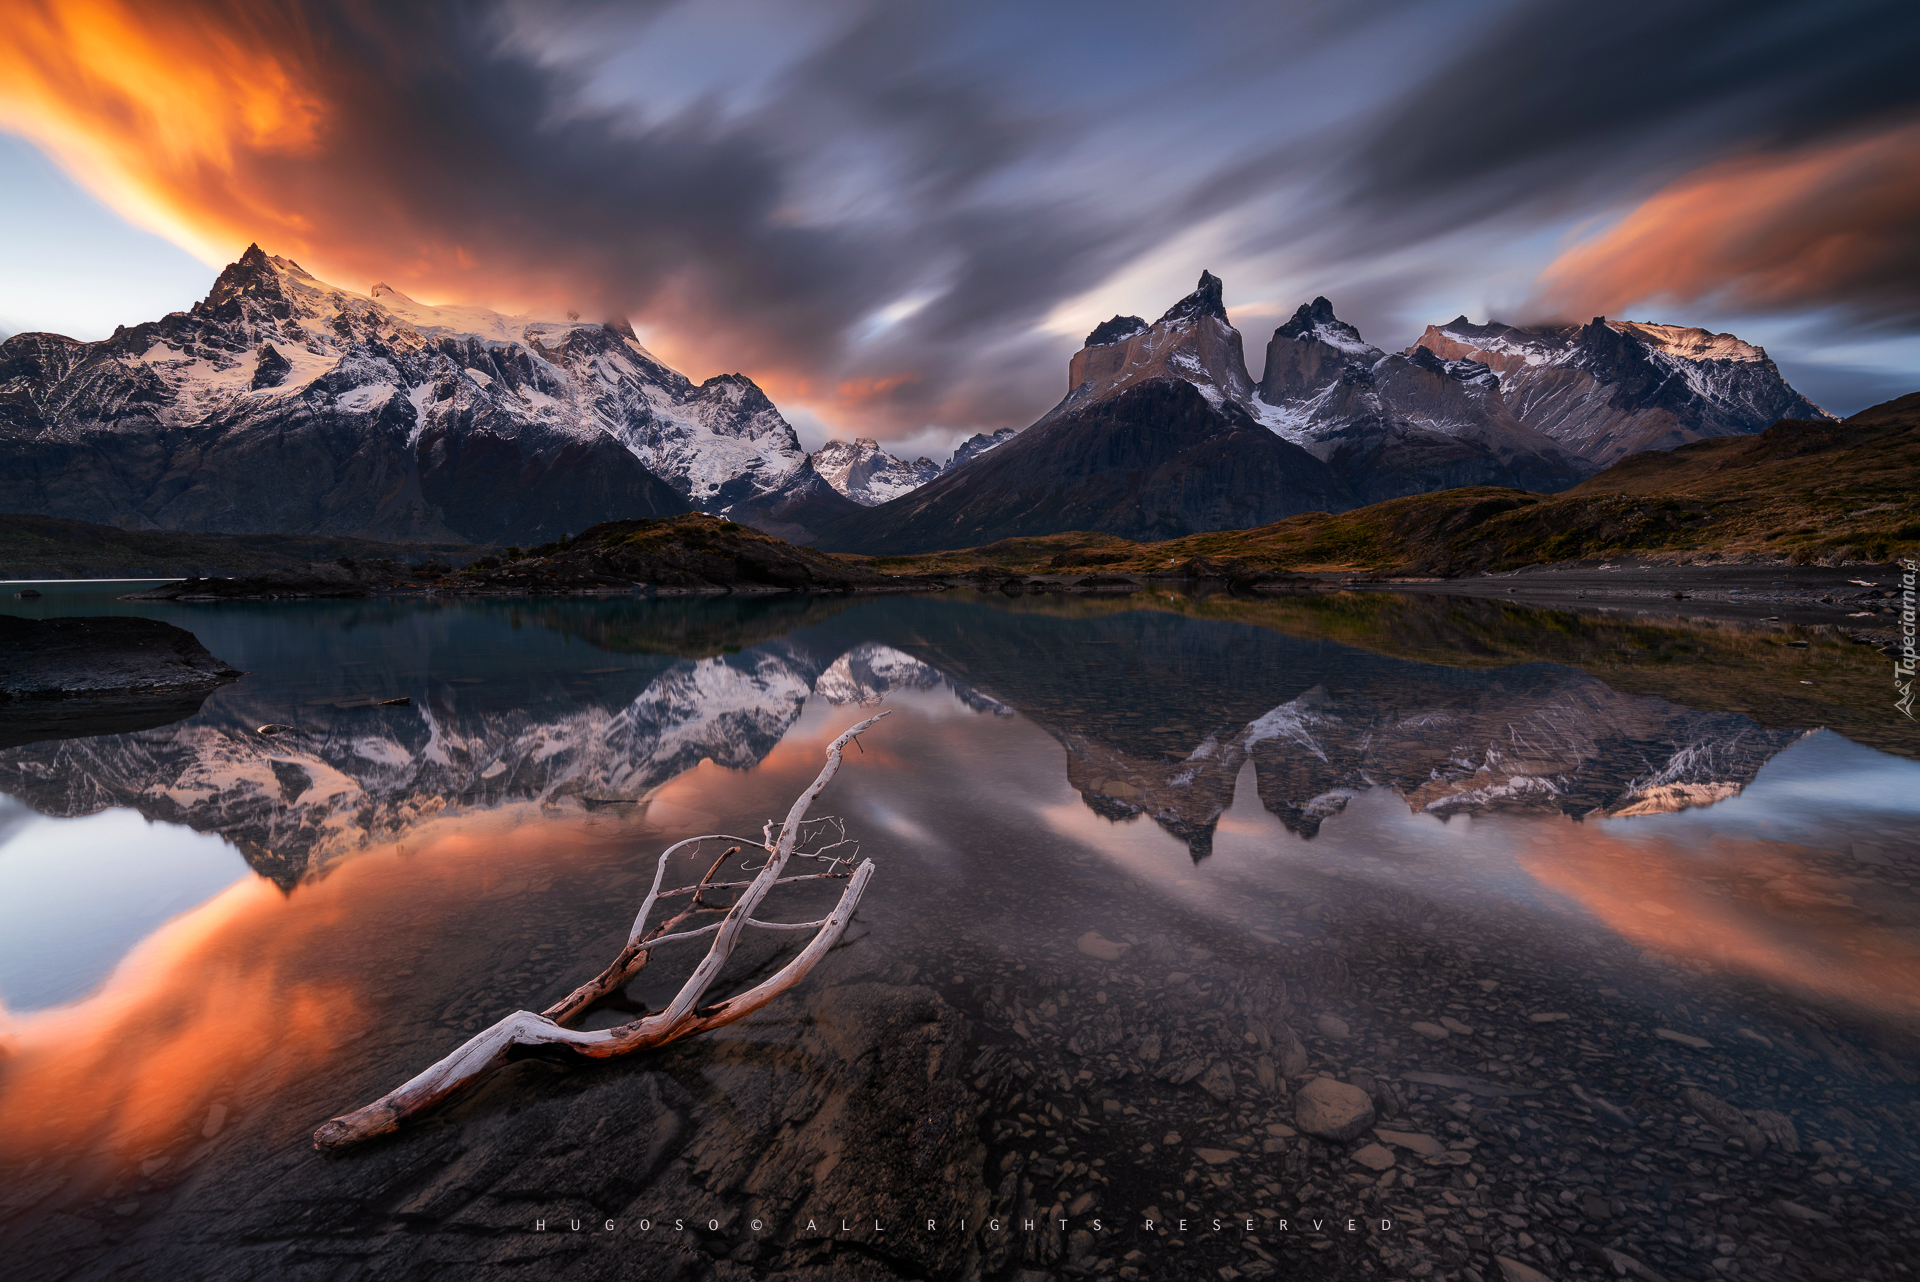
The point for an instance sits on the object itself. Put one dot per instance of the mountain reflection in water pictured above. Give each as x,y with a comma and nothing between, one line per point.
1256,824
1157,713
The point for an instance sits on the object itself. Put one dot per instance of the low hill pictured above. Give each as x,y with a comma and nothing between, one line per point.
1802,491
670,555
52,547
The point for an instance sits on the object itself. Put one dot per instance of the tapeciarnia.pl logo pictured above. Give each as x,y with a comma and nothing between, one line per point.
1903,659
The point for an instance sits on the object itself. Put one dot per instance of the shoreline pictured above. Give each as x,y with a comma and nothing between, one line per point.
1807,595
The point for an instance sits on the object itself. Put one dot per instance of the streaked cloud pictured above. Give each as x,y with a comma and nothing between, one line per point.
896,216
1824,224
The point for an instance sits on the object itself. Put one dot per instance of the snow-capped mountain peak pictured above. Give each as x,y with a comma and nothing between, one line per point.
868,474
1610,388
981,442
1686,343
297,406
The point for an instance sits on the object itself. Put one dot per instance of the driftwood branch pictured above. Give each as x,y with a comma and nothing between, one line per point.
490,1049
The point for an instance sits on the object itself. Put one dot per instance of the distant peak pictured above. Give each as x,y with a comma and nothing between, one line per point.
1207,299
1316,322
1114,331
1310,317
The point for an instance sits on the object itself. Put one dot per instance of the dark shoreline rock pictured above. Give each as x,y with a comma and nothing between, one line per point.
102,655
81,677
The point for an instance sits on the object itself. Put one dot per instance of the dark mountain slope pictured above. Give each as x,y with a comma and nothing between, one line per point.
1154,460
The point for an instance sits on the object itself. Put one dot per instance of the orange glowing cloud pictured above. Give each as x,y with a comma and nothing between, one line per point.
159,110
402,145
435,147
1827,223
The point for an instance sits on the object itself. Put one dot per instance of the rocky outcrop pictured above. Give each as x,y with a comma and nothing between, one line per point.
74,678
92,656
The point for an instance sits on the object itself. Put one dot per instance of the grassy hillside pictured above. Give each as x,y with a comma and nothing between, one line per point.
1802,492
50,547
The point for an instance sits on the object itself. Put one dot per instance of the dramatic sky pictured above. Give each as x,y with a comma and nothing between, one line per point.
901,218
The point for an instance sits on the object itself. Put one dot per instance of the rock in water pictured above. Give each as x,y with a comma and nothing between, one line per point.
1332,1110
1375,1157
51,658
77,678
1514,1271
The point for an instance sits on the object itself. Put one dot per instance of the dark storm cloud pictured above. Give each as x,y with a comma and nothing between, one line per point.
1567,106
1556,89
878,229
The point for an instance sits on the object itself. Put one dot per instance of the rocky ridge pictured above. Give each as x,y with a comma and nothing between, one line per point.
1398,424
1611,388
665,556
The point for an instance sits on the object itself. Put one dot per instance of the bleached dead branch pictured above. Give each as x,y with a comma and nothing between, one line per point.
493,1047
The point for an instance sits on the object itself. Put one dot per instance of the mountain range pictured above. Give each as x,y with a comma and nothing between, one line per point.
280,404
1163,432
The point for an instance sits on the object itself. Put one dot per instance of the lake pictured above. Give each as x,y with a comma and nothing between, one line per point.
1611,922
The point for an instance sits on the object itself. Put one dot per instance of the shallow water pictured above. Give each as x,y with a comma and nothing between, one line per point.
1130,843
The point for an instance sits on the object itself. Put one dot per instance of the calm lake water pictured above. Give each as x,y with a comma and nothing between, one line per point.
1620,942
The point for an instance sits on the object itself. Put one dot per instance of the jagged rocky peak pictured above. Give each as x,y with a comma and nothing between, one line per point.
255,275
980,442
1460,371
1193,342
1115,330
1207,299
1314,350
1610,388
868,474
1316,321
